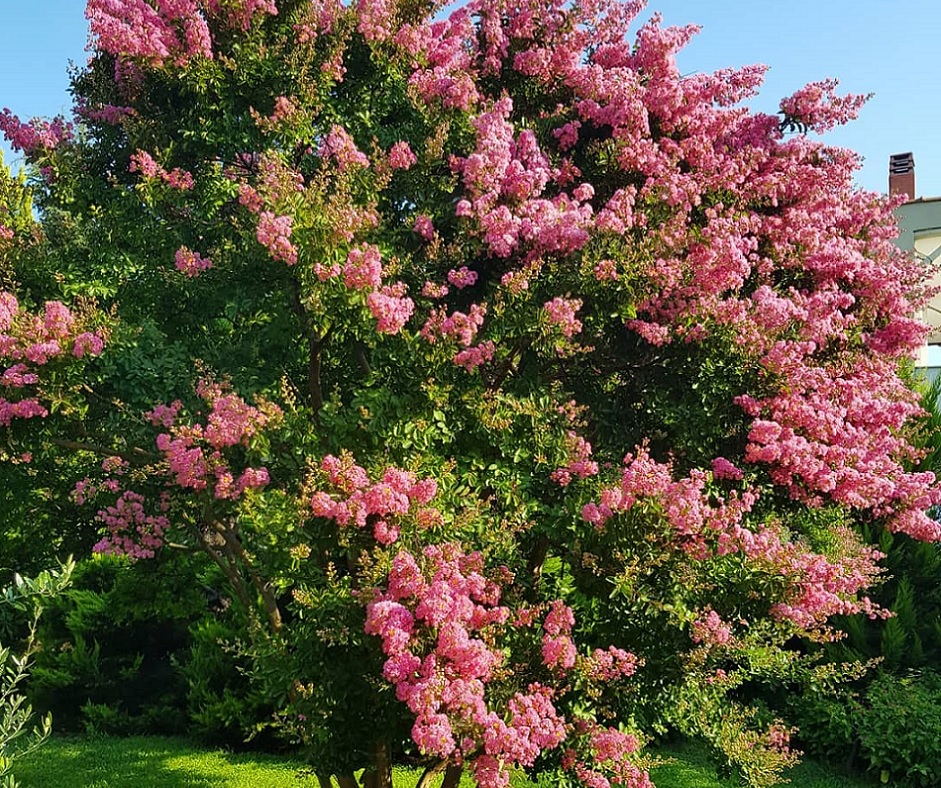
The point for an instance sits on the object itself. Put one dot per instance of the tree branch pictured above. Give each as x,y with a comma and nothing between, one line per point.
135,456
235,548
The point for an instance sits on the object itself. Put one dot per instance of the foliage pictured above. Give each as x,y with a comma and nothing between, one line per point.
222,705
531,397
21,605
110,643
900,728
891,726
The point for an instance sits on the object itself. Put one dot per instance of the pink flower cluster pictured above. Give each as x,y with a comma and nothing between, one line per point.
424,227
560,312
111,114
436,623
375,19
28,342
195,454
352,500
274,233
817,107
705,525
401,156
723,469
339,146
558,648
363,269
611,664
579,463
34,137
460,327
441,54
473,357
836,431
711,630
240,13
190,263
131,530
171,31
462,277
609,759
176,178
391,308
506,178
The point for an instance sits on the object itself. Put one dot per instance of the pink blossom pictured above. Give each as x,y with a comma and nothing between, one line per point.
274,233
473,357
561,312
339,146
363,269
723,469
190,262
390,307
173,31
424,227
817,107
462,277
401,156
36,136
711,630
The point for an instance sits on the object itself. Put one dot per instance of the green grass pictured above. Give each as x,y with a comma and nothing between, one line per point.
153,762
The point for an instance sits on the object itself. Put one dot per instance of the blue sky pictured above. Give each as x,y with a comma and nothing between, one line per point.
886,47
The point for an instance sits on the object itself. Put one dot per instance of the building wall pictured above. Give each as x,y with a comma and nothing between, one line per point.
920,230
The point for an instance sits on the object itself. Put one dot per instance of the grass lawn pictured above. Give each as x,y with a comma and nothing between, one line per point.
152,762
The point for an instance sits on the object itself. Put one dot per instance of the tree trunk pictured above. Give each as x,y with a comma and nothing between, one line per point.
347,781
452,776
430,773
324,780
380,775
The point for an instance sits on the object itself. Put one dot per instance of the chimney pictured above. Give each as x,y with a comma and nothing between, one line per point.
902,175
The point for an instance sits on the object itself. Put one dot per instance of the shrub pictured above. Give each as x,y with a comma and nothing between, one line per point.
899,729
222,704
21,606
109,642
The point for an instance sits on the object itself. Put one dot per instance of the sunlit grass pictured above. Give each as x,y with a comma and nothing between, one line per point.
153,762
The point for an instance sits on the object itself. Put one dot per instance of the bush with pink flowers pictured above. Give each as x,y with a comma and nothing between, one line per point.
506,373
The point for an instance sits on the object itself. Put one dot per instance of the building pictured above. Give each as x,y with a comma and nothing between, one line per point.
920,232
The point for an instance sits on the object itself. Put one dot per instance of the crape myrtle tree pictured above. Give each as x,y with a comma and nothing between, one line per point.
528,394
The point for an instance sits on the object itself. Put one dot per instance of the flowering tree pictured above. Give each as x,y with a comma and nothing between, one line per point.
526,392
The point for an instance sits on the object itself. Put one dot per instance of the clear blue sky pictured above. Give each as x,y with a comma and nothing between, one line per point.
887,47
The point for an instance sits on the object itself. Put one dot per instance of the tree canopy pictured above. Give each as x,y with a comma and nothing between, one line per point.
528,393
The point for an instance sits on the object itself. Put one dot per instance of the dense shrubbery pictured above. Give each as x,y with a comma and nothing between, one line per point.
891,727
21,606
110,644
145,648
528,395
